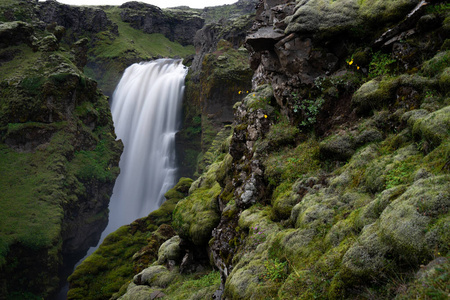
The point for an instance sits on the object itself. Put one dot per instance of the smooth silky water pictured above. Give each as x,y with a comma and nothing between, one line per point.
146,109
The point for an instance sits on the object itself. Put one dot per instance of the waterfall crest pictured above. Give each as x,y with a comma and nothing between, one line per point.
146,109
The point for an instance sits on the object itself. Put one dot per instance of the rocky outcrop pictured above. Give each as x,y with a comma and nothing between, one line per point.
81,20
219,58
216,14
175,24
13,33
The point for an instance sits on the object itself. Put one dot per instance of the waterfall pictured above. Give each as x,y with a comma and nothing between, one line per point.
146,111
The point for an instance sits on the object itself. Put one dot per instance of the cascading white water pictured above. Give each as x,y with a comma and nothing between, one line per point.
146,111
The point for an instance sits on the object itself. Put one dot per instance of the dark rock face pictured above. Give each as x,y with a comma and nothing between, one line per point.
216,14
218,77
80,20
288,61
176,25
206,39
13,33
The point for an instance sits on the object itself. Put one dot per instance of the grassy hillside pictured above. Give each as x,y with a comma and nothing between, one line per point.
111,54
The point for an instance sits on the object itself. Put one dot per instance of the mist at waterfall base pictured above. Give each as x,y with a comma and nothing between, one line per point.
146,110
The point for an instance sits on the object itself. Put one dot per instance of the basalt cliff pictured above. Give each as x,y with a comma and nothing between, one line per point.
314,154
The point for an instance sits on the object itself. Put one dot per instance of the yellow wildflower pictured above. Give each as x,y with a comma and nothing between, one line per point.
350,62
265,116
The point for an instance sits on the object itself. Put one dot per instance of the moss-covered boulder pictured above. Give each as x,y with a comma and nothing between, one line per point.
195,217
154,276
434,127
373,94
136,292
336,16
170,250
337,148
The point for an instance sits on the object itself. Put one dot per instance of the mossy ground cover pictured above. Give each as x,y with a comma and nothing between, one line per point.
197,286
57,148
139,43
30,208
289,163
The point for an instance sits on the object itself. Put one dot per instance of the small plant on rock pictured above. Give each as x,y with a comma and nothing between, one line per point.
308,108
258,237
380,65
275,270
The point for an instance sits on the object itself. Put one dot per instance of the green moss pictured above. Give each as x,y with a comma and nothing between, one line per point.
437,64
444,81
284,199
195,287
374,94
434,128
291,163
425,199
431,282
282,133
337,147
142,44
103,273
196,215
32,192
115,261
393,169
365,259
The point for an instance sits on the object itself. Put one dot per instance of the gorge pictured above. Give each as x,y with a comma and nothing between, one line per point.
313,155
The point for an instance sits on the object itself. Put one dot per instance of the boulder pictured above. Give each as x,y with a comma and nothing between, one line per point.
13,33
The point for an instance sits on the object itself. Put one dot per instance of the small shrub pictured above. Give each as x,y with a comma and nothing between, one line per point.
308,108
275,270
380,65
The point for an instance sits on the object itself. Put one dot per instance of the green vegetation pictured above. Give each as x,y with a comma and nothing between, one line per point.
194,286
308,108
50,116
139,43
112,265
113,54
276,270
30,183
380,65
357,206
289,164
